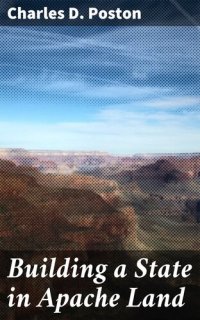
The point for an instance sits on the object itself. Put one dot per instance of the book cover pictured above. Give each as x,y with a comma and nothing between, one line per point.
99,159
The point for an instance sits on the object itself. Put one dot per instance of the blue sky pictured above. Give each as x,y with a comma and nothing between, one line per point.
122,90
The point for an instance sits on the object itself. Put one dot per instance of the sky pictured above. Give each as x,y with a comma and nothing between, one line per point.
122,90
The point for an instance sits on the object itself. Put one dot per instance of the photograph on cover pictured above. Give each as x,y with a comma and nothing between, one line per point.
99,129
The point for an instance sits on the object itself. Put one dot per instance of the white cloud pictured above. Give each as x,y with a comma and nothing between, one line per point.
64,83
174,102
121,132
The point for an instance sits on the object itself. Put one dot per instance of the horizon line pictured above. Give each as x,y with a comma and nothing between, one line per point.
99,152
